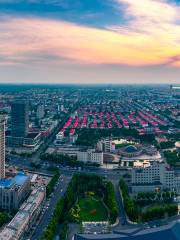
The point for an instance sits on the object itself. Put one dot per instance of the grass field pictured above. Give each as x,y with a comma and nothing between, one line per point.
92,209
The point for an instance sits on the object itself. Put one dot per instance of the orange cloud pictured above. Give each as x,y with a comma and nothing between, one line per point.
150,38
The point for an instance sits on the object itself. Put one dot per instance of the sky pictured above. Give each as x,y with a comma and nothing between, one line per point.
90,41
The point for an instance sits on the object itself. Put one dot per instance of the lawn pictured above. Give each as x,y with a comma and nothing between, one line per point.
92,209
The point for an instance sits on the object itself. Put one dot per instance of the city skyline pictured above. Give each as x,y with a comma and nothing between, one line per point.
111,41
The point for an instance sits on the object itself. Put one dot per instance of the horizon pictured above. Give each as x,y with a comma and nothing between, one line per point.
91,84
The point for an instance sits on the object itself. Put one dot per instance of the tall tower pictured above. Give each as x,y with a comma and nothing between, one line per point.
171,90
20,118
2,149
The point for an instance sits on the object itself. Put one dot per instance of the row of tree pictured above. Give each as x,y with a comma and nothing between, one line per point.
134,210
169,144
52,183
65,160
146,198
4,218
110,201
129,203
172,158
64,231
50,231
158,212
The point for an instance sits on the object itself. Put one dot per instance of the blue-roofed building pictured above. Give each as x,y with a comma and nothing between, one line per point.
13,191
20,178
131,151
6,183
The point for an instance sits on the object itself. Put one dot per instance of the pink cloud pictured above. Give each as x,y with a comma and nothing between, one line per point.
151,38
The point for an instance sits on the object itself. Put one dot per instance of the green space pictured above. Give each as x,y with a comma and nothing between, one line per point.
89,137
90,209
148,206
64,231
172,158
165,145
4,218
80,192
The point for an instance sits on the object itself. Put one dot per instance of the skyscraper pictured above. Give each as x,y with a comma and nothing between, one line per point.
20,118
2,149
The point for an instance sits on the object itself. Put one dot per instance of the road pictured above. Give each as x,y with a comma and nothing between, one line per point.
58,193
122,215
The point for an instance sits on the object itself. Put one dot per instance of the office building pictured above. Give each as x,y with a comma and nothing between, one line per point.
2,149
19,118
106,145
90,156
156,175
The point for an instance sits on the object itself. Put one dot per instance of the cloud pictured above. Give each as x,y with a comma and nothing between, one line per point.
150,36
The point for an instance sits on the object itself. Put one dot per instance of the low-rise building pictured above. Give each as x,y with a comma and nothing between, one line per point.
31,141
91,156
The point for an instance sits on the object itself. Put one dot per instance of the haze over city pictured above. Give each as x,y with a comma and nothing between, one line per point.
111,41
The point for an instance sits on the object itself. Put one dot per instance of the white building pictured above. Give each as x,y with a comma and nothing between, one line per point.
156,175
106,145
90,156
109,146
60,136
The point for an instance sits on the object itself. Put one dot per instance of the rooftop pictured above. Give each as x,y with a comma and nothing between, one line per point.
177,144
32,135
19,180
6,183
130,149
166,232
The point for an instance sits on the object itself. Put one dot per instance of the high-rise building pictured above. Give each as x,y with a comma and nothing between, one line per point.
20,118
2,149
40,111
